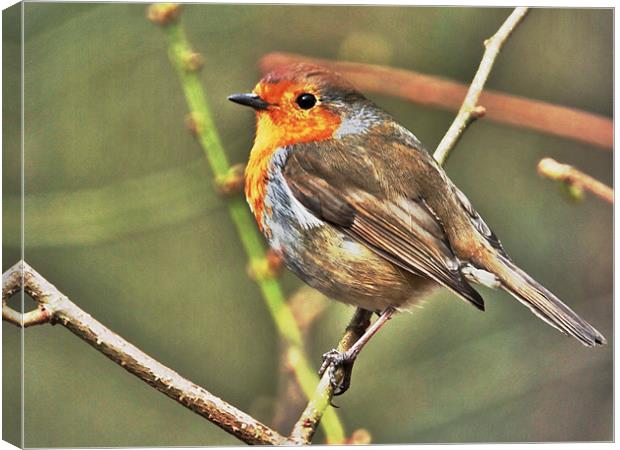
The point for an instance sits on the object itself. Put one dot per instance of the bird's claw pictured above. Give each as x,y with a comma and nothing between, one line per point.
333,357
332,361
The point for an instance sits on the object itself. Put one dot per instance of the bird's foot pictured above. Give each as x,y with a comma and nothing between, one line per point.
334,360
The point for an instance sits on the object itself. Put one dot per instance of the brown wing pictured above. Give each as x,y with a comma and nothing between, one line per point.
400,227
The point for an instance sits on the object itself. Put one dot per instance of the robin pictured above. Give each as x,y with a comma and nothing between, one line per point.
360,210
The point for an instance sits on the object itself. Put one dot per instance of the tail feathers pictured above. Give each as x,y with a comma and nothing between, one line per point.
543,303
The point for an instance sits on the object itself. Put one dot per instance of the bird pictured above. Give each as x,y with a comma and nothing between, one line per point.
359,209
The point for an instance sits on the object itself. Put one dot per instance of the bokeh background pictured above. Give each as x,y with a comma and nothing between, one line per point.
121,216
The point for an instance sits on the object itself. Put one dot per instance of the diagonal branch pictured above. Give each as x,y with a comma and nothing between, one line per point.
550,168
305,427
470,110
54,307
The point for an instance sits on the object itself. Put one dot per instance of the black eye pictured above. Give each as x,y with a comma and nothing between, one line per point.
306,101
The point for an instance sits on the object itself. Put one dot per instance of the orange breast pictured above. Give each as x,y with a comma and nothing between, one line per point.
276,129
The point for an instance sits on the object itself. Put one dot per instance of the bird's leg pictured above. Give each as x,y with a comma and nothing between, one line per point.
335,359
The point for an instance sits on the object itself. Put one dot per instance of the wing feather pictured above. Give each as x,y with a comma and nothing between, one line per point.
403,230
412,247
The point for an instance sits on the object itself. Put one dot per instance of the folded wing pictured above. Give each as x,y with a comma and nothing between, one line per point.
398,226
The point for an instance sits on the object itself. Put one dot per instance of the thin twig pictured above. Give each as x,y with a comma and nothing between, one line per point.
470,110
35,317
59,309
201,123
307,305
550,168
306,425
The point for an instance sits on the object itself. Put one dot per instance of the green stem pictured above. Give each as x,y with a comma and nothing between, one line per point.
180,50
317,409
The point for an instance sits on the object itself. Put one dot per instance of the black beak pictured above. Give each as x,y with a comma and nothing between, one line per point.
251,100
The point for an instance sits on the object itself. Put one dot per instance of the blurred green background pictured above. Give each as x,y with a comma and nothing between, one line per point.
120,215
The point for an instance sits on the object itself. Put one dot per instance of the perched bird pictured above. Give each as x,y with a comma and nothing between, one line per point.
360,210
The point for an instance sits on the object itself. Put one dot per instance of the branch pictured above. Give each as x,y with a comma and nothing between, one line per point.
187,62
446,94
470,110
307,305
11,283
306,425
550,168
58,308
